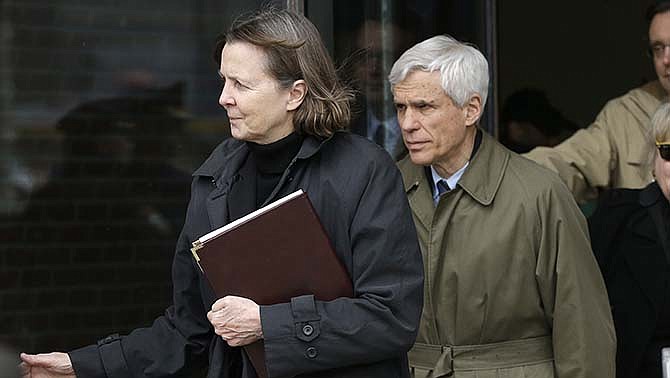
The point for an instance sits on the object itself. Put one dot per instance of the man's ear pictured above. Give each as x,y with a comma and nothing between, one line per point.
296,94
473,110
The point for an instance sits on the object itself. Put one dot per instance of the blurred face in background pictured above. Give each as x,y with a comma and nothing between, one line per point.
383,45
659,44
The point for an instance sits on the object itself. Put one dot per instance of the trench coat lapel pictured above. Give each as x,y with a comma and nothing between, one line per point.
419,195
483,177
481,180
642,259
223,170
241,197
645,251
217,209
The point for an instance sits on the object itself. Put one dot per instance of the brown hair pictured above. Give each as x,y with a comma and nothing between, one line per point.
295,51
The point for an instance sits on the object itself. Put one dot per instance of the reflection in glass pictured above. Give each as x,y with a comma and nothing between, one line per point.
369,36
105,110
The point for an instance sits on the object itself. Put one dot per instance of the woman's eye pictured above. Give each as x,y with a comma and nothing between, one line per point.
239,85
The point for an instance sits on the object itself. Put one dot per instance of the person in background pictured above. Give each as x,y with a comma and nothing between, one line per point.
630,234
381,43
107,217
287,112
609,153
529,120
511,286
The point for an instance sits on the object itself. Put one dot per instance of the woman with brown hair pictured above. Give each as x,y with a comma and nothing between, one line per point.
287,113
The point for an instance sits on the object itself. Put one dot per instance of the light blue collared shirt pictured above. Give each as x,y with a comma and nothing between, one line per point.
451,181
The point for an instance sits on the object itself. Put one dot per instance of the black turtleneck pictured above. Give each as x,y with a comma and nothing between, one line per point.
271,162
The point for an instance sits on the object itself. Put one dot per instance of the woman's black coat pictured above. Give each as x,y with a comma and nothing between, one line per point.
357,192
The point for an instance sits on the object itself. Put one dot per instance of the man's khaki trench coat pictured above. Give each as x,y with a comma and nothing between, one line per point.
511,286
610,153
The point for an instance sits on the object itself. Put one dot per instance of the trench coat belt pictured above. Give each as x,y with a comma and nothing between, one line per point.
443,360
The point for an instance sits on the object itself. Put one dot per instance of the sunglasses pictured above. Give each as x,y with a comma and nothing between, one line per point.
664,150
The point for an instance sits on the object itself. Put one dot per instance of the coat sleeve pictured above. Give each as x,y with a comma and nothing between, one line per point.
572,290
381,321
174,345
585,161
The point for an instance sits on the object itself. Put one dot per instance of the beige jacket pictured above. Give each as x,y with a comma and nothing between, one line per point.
610,153
511,286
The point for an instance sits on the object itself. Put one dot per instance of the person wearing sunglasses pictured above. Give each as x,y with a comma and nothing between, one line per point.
630,233
608,153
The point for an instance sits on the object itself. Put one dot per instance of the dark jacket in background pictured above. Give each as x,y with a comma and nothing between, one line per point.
630,253
358,194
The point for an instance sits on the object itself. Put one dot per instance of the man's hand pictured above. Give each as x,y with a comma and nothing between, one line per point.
237,320
49,365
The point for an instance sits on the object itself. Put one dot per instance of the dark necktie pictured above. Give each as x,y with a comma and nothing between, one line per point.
442,187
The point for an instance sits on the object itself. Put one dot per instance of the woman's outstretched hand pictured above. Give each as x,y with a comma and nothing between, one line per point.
46,365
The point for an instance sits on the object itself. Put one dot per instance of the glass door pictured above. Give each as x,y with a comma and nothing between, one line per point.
367,37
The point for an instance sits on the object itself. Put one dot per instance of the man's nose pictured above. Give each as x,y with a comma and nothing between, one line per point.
408,120
666,55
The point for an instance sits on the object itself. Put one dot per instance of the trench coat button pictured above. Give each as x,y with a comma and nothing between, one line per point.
106,340
312,352
109,339
307,330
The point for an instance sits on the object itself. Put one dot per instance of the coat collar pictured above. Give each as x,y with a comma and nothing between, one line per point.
418,191
232,153
481,179
646,249
484,175
656,90
223,166
649,197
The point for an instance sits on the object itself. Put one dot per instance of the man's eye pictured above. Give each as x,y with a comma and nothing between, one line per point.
399,107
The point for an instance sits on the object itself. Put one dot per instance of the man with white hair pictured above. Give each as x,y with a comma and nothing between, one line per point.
511,285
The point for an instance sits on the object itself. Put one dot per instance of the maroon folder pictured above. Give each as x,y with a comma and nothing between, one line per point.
278,252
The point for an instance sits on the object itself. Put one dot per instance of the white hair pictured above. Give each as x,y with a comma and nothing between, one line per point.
658,132
464,71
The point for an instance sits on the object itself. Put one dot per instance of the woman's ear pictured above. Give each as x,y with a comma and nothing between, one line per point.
296,94
473,110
